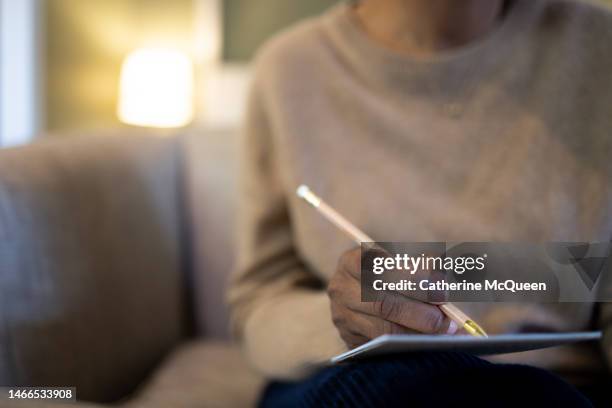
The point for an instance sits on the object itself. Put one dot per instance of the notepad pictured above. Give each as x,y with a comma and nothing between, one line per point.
496,344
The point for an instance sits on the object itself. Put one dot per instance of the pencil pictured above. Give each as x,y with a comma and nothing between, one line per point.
450,310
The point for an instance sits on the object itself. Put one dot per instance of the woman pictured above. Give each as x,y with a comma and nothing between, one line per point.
420,120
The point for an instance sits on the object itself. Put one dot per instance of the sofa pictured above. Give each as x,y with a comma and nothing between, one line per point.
114,255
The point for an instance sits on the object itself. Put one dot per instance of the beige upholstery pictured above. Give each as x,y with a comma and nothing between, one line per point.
200,375
113,264
211,176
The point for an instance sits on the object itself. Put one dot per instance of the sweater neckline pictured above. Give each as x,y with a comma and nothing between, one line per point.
475,59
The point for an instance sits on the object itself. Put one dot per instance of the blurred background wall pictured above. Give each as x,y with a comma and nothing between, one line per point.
85,41
248,23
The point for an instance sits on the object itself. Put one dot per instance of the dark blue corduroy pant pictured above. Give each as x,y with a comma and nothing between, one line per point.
426,380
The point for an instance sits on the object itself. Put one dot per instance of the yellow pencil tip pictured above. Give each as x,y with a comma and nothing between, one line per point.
474,329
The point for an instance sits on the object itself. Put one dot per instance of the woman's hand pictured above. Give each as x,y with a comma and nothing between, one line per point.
359,322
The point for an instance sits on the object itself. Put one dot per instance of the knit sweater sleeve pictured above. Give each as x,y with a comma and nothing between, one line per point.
279,311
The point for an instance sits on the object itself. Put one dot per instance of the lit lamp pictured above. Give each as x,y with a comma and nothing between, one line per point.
156,88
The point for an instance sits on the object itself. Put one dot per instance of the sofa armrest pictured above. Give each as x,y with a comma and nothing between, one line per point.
91,291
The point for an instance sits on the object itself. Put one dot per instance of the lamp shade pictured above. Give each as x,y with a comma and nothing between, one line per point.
156,88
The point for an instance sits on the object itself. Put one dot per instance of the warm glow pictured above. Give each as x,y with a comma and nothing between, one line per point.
156,88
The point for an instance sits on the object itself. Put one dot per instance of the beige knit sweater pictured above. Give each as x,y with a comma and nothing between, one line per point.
506,139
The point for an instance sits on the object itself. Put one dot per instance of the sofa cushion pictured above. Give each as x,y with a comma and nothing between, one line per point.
92,292
201,374
211,177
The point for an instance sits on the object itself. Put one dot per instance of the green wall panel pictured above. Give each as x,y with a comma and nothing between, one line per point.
249,23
